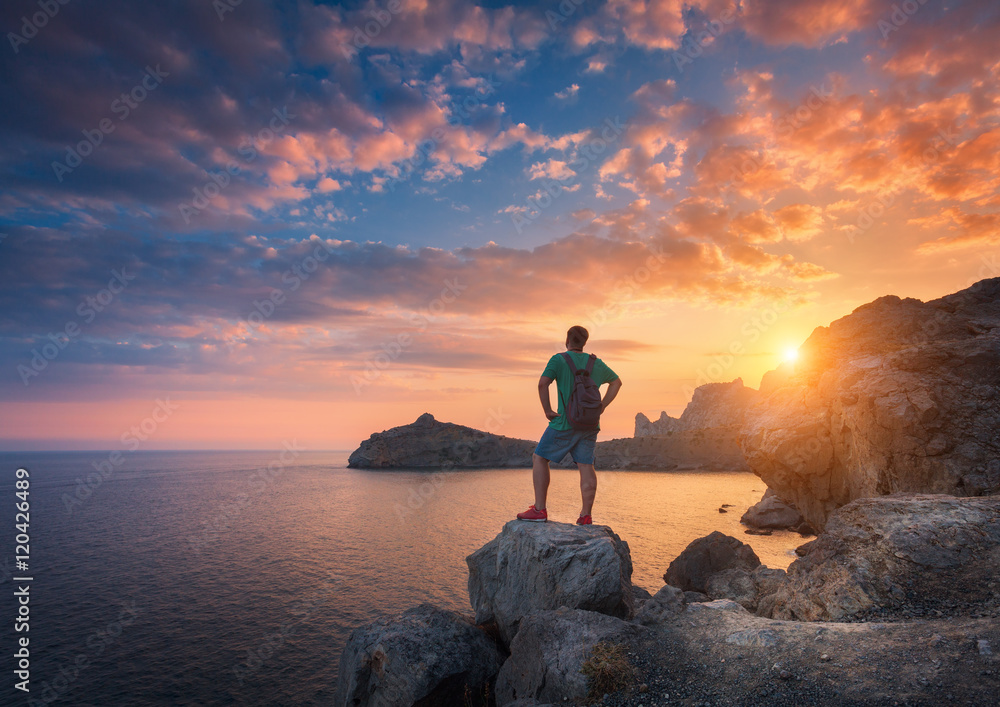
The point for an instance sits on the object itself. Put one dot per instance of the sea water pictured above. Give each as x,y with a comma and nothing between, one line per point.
213,578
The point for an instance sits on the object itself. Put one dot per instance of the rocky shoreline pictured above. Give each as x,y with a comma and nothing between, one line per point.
558,621
885,439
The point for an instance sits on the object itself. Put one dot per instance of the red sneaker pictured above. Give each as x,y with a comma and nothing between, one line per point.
584,520
534,515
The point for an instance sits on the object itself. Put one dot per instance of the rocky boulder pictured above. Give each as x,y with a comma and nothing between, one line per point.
532,567
926,552
551,648
429,444
704,557
771,513
667,603
899,396
425,655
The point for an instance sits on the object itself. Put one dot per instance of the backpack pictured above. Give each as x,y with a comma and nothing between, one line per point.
583,409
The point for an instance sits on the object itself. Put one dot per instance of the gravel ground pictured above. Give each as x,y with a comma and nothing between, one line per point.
920,662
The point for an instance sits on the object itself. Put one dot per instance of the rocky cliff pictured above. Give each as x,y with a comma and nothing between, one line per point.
429,444
901,395
712,405
644,427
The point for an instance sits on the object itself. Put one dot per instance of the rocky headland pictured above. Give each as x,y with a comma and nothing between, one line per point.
429,444
899,396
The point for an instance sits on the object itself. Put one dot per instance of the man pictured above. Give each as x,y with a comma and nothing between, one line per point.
560,438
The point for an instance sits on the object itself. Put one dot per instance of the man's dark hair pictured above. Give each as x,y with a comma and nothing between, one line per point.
577,337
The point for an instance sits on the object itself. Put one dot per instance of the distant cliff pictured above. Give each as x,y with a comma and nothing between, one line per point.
712,405
429,444
703,449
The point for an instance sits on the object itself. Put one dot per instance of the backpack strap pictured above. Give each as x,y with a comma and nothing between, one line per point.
572,366
590,364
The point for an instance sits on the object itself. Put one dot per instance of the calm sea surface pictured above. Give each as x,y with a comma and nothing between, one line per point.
202,578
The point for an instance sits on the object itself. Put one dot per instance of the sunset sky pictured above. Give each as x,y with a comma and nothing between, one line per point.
311,222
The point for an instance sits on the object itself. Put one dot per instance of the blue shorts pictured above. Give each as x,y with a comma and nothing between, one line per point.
556,444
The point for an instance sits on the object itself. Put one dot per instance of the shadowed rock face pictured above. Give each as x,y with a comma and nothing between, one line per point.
549,651
704,557
895,551
899,396
425,656
531,567
429,444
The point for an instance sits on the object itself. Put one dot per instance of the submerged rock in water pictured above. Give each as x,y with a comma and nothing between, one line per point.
706,556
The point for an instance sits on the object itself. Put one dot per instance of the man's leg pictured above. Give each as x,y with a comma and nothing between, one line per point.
588,487
540,477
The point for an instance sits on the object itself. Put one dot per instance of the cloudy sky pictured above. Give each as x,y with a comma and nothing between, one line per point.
315,221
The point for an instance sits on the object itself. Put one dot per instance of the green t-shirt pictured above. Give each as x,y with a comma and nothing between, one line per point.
558,370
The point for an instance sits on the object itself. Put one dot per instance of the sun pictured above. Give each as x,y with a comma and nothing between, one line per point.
791,355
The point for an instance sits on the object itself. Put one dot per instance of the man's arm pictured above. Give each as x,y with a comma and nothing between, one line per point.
543,394
613,388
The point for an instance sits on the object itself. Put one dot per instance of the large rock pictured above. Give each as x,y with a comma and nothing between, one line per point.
924,552
549,651
426,655
531,567
745,587
899,396
704,557
772,513
429,444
